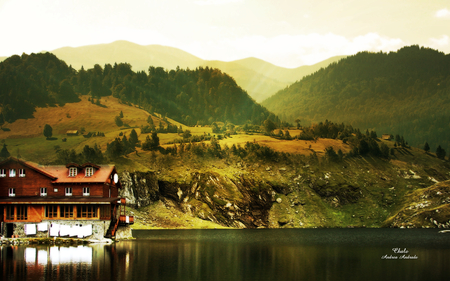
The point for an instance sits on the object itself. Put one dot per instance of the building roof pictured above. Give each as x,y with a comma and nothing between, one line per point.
30,165
101,175
60,173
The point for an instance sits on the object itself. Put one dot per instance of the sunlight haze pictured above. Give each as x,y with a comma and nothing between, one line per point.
285,32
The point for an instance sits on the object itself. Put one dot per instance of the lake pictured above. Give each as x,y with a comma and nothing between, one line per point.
263,254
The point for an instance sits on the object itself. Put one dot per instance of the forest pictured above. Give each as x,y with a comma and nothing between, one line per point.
201,96
405,92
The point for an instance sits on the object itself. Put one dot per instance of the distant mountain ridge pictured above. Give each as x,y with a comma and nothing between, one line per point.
259,78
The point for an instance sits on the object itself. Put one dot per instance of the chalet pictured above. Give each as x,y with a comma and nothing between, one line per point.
57,200
72,133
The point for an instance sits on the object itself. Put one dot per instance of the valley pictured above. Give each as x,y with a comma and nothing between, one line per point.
294,186
195,150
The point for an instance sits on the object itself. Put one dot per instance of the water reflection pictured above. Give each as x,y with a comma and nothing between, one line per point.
237,255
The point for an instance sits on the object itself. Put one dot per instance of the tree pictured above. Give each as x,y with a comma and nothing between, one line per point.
150,120
384,151
133,138
151,143
2,121
363,147
121,114
4,153
298,123
118,121
331,155
215,128
48,131
440,152
426,147
186,134
269,126
155,140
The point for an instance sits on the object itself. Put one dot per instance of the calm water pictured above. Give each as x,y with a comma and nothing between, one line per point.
294,254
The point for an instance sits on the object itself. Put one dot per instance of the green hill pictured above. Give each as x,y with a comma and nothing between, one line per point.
199,96
405,92
259,78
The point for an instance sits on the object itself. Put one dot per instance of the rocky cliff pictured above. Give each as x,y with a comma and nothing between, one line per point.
357,193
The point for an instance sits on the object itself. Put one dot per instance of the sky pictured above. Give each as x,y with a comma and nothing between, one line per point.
288,33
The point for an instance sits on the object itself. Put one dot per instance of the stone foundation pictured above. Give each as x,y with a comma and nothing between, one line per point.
99,229
123,232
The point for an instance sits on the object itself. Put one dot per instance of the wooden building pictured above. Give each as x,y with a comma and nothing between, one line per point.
32,193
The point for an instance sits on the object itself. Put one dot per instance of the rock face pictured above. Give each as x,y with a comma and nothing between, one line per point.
140,189
353,197
239,202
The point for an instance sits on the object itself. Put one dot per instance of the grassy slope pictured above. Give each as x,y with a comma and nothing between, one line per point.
386,186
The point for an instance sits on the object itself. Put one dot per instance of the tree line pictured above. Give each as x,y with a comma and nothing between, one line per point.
407,92
201,96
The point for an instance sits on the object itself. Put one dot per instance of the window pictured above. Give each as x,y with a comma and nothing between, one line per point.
11,192
51,211
2,173
21,173
12,173
43,191
67,211
89,171
86,211
68,191
10,212
55,189
86,191
22,212
72,172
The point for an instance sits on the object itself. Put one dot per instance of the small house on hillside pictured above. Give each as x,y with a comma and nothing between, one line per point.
386,137
60,200
72,133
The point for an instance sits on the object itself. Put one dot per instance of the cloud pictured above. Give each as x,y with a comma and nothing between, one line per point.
215,2
440,42
444,13
296,50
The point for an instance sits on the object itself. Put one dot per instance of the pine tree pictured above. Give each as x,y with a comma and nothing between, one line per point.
133,138
4,153
426,147
440,152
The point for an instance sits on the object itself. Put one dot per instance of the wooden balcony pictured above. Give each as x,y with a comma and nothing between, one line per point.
126,220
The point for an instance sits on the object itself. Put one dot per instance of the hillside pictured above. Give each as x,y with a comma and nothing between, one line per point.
259,78
251,191
249,180
201,96
404,92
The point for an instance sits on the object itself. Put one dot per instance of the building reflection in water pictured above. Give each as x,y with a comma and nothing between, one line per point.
238,258
51,262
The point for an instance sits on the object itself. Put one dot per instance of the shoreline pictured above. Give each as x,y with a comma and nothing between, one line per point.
54,241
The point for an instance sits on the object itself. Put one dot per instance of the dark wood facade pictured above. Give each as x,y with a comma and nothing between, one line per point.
34,193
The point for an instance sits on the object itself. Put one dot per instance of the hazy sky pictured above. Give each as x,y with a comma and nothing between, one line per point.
287,33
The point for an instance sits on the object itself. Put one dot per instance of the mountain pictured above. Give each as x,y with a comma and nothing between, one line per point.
405,92
140,57
259,78
201,96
